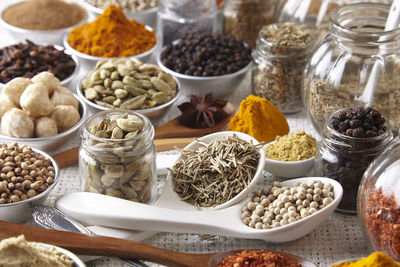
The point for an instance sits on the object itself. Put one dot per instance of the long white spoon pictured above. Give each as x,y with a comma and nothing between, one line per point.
392,23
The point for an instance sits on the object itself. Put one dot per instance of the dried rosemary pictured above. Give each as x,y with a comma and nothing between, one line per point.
216,172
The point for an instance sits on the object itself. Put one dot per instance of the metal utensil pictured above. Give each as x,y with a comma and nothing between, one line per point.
51,218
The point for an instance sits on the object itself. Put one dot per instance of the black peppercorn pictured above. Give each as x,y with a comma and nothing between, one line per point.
211,55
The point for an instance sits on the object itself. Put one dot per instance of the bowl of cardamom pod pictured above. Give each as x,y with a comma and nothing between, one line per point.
128,84
290,156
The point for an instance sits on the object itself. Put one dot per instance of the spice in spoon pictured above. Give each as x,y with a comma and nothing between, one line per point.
202,112
216,172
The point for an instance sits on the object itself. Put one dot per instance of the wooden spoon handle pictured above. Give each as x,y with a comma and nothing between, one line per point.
70,157
103,246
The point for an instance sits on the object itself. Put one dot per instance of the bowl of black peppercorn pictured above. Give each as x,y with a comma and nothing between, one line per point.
206,62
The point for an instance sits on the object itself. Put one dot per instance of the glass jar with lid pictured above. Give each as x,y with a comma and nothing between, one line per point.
344,157
379,202
243,19
356,64
117,156
179,17
283,50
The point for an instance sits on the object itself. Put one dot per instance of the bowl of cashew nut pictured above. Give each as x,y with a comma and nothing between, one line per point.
39,112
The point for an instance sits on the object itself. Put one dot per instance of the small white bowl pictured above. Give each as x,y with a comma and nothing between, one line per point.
151,113
37,36
148,16
90,61
288,169
220,86
67,81
21,211
53,142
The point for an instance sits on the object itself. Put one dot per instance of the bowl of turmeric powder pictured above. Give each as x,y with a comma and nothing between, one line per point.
290,156
111,36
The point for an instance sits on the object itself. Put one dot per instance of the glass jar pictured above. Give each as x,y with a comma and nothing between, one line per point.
179,17
243,19
345,159
379,202
278,71
338,74
123,168
311,12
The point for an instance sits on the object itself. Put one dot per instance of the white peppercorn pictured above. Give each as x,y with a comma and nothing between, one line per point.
284,205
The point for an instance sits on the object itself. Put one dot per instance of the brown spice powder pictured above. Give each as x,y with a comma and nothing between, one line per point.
44,15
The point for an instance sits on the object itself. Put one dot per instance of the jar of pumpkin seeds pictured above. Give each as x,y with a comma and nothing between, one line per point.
117,156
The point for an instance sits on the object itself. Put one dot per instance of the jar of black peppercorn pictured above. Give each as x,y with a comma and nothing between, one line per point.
351,139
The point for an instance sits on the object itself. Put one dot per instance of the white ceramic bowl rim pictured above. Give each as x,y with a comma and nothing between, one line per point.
143,111
48,189
94,58
56,136
199,78
67,52
98,10
324,180
22,30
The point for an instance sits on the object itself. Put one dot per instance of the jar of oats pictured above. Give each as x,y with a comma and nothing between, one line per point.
379,202
117,156
243,19
356,64
282,52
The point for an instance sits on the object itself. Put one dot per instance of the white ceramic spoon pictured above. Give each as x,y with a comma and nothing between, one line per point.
108,211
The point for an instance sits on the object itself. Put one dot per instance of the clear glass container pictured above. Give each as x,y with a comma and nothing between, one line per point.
179,17
277,72
243,19
338,74
124,168
345,159
379,202
311,12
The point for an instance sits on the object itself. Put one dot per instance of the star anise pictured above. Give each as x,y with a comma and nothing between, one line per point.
201,113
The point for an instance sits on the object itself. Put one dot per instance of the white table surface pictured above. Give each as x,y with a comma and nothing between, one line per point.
338,238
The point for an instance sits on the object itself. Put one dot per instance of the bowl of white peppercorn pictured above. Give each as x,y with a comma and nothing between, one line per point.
28,176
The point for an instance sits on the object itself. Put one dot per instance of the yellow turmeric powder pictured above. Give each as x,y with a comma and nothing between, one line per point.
112,35
260,119
376,259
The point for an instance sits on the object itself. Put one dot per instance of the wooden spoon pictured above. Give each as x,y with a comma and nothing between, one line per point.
115,247
174,128
70,157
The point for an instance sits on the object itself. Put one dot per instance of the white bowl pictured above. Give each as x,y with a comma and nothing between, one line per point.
36,36
90,61
149,112
21,211
220,86
67,81
288,169
53,142
148,16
